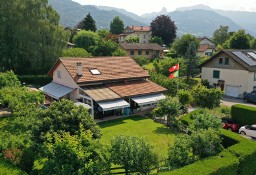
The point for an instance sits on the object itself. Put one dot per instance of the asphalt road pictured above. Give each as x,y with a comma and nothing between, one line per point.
229,101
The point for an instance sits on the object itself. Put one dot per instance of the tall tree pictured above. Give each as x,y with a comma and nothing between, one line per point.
88,23
181,45
162,26
117,26
191,60
86,39
31,38
239,40
221,35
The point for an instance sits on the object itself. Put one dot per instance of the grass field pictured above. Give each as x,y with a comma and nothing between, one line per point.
155,133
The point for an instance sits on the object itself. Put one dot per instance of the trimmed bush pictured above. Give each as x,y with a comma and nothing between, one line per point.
244,115
36,80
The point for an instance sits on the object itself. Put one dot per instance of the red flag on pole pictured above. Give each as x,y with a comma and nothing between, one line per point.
174,68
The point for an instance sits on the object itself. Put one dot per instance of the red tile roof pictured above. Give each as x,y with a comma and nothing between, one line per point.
111,68
204,47
140,28
135,88
141,46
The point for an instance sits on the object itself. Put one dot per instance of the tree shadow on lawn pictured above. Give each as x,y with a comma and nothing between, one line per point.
163,130
120,121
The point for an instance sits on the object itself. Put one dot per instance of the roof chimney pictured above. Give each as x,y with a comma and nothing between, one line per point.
79,69
141,27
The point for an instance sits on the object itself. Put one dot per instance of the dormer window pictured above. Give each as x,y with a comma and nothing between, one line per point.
95,72
220,60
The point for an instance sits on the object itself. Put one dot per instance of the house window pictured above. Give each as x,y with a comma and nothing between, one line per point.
216,74
226,61
131,52
254,76
220,60
139,52
144,36
147,52
58,74
95,71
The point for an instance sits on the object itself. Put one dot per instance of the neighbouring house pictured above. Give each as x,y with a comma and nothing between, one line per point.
234,71
107,85
150,50
206,47
143,32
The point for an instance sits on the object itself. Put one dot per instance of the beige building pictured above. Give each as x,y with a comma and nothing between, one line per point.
234,71
206,47
150,50
142,32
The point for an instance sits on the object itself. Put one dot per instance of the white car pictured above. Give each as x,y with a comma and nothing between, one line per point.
249,130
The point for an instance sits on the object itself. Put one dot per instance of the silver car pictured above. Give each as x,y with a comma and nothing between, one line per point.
249,130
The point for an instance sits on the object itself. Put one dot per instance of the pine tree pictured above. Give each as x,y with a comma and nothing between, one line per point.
117,26
88,23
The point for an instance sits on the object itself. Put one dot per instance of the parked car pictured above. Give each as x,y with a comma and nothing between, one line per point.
230,124
250,97
249,130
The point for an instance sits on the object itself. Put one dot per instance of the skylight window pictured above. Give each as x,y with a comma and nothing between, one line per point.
95,71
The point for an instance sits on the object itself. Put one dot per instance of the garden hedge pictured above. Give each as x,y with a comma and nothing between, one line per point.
35,80
239,157
244,115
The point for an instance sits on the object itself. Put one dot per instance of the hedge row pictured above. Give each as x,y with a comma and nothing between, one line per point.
244,115
35,80
239,159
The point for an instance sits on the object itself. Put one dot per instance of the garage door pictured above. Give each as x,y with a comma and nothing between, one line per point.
232,91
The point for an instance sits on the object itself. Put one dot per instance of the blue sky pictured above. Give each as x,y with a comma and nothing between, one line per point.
146,6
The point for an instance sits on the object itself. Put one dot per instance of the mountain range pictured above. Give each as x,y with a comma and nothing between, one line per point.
199,20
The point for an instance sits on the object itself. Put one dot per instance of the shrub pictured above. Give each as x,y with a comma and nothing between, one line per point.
185,97
75,52
141,60
35,80
8,79
244,115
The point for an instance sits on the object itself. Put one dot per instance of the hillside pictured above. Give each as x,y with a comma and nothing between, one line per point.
200,22
71,13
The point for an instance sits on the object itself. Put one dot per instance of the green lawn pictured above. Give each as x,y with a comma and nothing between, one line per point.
155,133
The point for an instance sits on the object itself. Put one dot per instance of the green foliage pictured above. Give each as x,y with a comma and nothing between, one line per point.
185,97
88,23
60,117
157,39
244,115
116,26
141,60
181,152
75,52
221,35
73,154
103,33
162,26
181,45
133,153
7,168
8,79
169,107
86,39
119,52
31,38
191,60
206,121
35,80
206,98
104,48
239,40
132,39
17,98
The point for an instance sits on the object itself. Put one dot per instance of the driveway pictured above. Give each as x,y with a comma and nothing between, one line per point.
229,101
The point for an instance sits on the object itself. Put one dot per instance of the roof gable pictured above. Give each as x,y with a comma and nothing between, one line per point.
110,68
245,58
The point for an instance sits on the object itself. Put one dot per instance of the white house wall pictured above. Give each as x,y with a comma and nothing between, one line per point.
66,80
240,78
